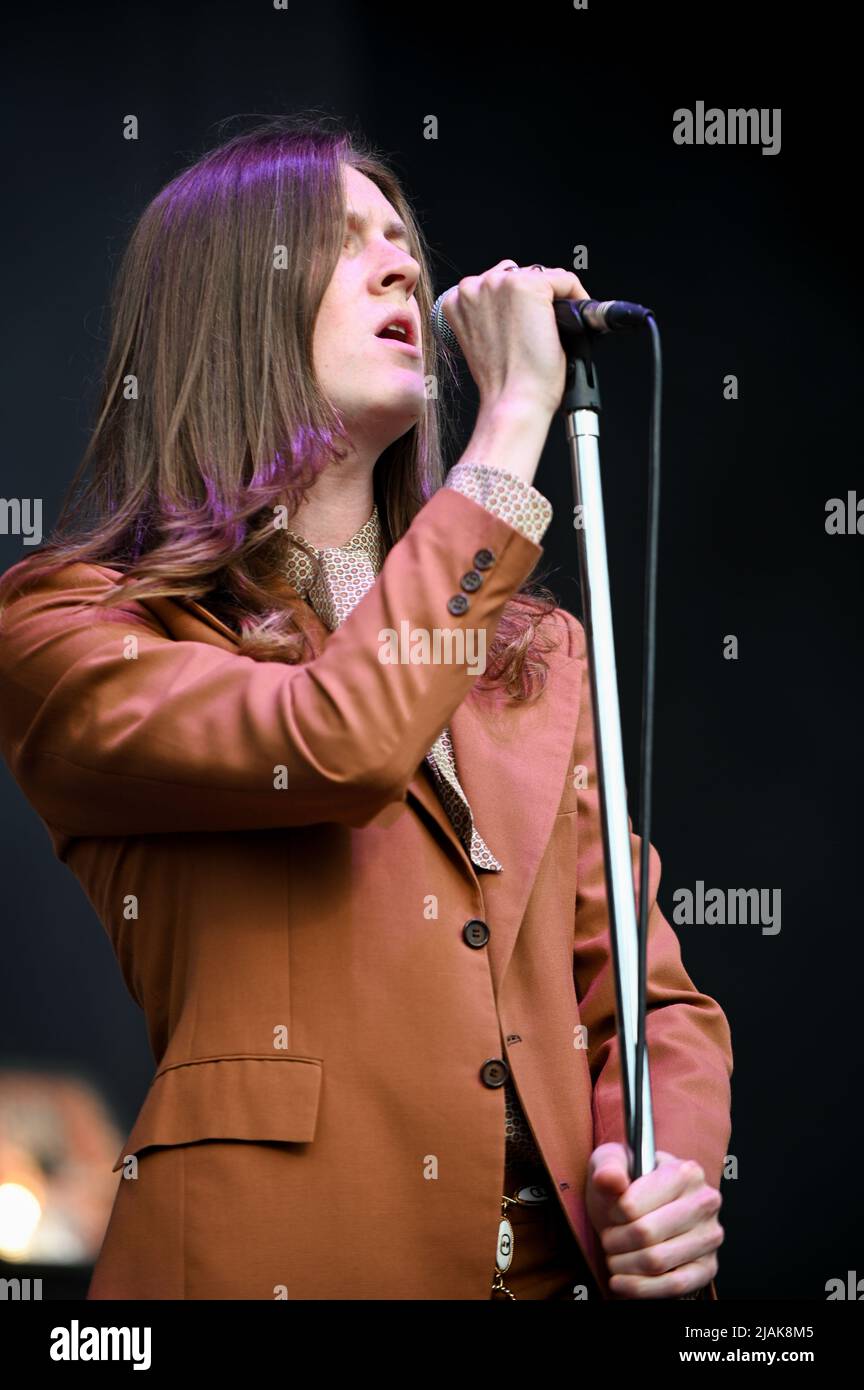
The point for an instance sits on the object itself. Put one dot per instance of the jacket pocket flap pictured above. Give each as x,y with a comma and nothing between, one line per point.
241,1097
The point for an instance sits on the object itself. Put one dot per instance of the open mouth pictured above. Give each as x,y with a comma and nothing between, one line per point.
399,331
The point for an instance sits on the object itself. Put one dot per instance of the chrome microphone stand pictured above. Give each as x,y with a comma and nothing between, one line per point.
580,406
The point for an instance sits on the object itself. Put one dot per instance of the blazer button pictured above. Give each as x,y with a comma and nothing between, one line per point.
494,1072
475,933
484,560
457,604
471,581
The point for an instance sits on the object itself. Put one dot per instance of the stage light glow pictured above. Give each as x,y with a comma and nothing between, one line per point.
20,1214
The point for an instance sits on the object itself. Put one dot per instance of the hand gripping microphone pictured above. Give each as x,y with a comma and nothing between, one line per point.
574,318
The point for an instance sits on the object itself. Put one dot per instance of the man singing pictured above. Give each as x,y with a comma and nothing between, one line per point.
360,900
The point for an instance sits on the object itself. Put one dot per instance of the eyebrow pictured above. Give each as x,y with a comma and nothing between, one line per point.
393,229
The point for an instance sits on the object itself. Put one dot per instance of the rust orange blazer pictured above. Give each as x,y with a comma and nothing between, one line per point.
286,898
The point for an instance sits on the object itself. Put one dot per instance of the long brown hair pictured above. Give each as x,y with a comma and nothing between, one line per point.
210,415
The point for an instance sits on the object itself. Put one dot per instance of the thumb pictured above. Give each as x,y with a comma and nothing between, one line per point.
609,1170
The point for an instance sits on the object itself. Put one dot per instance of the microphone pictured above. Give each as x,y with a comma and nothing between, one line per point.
574,318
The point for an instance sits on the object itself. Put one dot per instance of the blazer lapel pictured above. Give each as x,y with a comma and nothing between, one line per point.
513,761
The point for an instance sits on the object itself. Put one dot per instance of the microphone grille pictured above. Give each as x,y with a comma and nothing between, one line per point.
440,327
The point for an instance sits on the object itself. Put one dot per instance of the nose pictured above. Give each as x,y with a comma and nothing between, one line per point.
399,271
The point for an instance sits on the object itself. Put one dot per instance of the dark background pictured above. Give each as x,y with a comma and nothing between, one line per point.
555,128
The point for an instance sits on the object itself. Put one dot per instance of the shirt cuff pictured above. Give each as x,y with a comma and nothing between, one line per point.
505,496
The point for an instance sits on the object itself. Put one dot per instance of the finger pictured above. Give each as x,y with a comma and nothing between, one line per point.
683,1249
672,1179
686,1279
608,1171
607,1153
609,1184
564,284
672,1219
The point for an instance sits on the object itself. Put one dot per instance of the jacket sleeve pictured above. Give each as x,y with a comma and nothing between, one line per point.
687,1034
106,736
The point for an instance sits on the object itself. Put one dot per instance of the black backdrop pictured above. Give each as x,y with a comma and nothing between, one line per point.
555,129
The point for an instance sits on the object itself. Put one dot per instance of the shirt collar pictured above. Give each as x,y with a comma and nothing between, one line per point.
367,543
